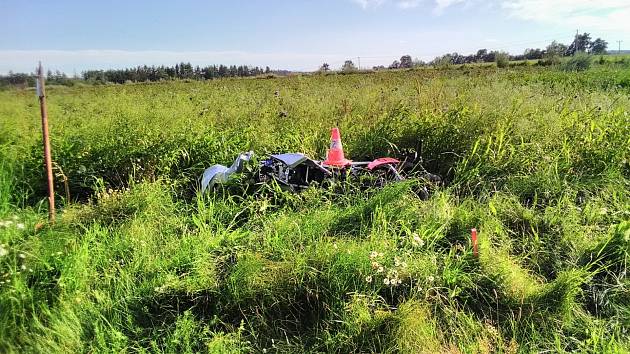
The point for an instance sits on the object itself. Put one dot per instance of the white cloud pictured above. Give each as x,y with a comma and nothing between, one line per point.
408,4
443,4
438,5
369,3
589,15
586,15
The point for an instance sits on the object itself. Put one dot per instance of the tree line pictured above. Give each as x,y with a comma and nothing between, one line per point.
550,55
547,56
179,71
143,73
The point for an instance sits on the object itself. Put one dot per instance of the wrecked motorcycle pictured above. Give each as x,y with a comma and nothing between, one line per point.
296,171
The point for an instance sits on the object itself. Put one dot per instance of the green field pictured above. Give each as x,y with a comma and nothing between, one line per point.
537,159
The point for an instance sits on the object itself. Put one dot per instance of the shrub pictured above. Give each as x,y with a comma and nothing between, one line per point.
502,59
578,62
550,59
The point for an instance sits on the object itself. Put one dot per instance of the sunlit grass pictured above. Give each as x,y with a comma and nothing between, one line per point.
536,159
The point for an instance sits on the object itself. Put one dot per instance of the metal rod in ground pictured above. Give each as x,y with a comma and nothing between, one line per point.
41,93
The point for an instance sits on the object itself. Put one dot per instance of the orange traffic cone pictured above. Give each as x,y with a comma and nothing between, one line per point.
335,153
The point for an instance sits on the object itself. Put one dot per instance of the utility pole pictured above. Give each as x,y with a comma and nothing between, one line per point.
619,42
41,93
359,62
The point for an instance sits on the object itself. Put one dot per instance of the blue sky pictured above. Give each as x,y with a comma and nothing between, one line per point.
72,36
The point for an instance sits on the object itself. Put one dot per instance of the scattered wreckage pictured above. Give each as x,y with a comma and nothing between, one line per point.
296,171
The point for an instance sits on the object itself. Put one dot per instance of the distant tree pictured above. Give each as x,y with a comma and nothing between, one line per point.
598,46
394,65
556,48
490,57
267,70
406,62
223,71
17,79
417,63
531,53
470,58
324,68
444,61
348,67
581,43
481,55
457,58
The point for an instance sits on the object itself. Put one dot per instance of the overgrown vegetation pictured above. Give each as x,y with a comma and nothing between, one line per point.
537,159
578,62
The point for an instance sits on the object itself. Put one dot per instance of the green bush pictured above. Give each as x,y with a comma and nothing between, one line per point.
578,62
502,59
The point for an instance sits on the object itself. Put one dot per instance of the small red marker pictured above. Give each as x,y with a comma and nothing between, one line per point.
473,236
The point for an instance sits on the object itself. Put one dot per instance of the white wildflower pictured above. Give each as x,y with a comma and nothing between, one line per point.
368,279
417,241
396,261
20,226
3,251
335,246
403,265
430,278
375,265
22,255
23,267
59,253
373,254
380,269
386,281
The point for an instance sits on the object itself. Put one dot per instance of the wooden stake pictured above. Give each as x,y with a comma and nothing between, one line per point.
41,93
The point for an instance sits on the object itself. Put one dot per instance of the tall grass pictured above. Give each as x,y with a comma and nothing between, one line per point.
536,159
6,186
